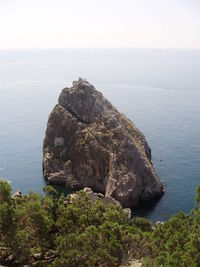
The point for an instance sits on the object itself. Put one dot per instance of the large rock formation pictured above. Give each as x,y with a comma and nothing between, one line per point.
88,143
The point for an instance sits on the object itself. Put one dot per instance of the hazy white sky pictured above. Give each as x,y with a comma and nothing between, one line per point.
99,23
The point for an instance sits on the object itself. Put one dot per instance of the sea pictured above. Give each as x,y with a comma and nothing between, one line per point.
158,89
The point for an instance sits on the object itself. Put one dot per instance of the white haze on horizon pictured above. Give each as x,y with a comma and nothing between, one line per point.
29,24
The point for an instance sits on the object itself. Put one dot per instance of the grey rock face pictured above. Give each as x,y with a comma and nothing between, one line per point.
88,143
98,196
18,193
95,196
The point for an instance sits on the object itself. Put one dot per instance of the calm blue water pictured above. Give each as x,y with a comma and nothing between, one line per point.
158,90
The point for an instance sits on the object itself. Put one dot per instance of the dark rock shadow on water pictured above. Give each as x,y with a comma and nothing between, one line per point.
62,190
59,188
145,208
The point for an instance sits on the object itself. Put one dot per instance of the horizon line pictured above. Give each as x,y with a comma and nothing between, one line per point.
100,48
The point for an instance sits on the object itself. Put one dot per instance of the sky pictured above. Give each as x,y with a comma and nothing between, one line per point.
29,24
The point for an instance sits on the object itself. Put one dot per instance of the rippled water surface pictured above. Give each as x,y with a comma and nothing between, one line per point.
158,90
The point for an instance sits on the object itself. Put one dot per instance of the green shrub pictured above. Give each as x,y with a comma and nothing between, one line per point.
83,233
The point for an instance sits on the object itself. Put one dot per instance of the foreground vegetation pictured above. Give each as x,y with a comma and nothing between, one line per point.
52,231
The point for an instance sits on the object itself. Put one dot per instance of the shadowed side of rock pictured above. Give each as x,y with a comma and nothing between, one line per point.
88,143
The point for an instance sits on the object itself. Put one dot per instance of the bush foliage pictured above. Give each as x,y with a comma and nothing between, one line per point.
53,231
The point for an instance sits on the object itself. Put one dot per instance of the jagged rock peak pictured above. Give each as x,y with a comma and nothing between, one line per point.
88,143
83,101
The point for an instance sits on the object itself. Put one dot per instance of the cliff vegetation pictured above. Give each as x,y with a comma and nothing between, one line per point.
48,230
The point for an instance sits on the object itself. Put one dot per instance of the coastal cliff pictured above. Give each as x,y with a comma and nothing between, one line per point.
88,143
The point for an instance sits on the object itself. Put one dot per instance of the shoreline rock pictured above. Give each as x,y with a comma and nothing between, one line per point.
88,143
18,193
98,196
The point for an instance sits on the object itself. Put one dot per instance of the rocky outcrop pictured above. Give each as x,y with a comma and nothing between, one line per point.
88,143
17,194
107,201
98,196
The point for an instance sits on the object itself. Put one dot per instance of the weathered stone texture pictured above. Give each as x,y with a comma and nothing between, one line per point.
88,143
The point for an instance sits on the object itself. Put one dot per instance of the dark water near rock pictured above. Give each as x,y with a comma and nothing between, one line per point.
158,90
